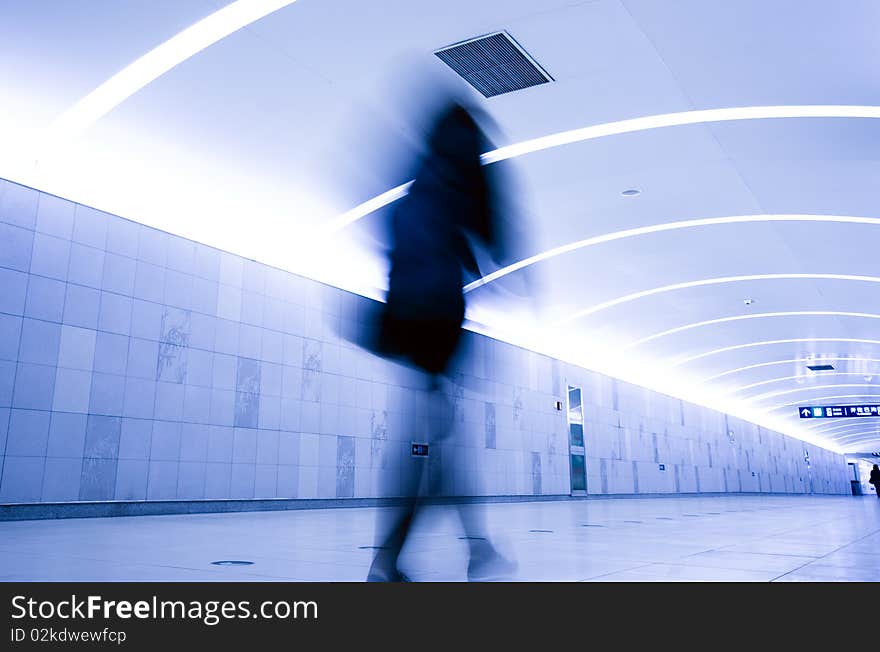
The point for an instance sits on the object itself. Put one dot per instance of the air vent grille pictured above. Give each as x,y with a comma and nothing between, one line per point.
820,367
494,64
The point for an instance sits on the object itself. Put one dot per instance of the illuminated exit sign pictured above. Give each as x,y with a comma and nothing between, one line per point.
838,411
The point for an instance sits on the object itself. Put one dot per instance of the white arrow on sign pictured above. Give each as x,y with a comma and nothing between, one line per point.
806,412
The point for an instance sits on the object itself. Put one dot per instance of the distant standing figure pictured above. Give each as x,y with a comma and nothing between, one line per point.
875,479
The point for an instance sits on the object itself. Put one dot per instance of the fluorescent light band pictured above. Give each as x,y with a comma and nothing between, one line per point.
841,430
782,406
158,61
826,425
853,447
831,424
659,228
632,125
859,436
776,362
763,397
863,439
711,281
362,210
816,375
846,438
797,340
677,120
764,315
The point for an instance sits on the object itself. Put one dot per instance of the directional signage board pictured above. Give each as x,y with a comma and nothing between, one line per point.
838,411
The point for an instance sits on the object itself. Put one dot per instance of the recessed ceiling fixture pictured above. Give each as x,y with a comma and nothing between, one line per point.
631,192
232,562
820,367
748,301
493,64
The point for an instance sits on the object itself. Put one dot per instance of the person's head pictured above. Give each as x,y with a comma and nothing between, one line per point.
876,468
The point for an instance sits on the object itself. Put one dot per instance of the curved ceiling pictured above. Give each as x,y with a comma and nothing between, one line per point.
749,129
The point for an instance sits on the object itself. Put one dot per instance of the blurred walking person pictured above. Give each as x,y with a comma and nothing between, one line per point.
453,200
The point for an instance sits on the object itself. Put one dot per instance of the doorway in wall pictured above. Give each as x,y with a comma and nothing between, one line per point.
576,444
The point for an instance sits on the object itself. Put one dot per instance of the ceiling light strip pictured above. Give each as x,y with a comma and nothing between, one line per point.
659,228
764,315
788,361
158,61
828,425
737,347
679,119
804,376
619,127
858,436
763,397
841,430
782,406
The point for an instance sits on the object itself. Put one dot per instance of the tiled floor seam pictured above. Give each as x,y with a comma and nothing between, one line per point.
870,534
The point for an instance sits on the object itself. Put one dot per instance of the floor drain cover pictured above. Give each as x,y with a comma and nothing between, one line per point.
472,538
665,518
690,514
632,521
591,525
232,562
540,530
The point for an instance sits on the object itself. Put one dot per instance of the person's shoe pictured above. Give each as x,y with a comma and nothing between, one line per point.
384,575
494,568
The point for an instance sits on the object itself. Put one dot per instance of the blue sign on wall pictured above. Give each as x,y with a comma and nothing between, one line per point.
419,450
837,411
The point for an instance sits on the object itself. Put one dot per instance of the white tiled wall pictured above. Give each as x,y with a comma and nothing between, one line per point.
136,365
630,432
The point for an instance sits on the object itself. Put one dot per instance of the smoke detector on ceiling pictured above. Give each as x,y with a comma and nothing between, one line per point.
494,64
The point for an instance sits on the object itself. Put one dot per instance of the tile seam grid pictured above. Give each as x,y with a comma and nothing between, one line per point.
846,545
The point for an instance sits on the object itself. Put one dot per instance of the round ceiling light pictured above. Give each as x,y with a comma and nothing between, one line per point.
748,301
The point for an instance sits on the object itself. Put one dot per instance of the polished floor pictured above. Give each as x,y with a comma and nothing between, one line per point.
736,538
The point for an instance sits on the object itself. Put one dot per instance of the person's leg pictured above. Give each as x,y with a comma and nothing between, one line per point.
391,531
401,477
393,523
484,562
